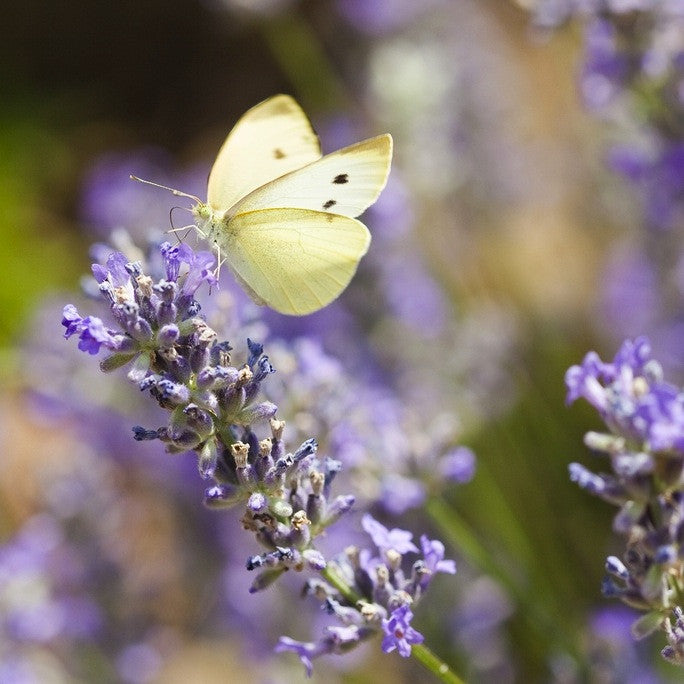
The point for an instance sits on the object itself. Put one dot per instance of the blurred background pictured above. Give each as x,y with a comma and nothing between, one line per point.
504,248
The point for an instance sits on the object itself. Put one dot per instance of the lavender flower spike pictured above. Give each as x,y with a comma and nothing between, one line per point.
385,588
214,411
645,446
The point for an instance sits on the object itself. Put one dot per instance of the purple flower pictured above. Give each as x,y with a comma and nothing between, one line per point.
115,271
398,632
379,16
305,650
659,177
91,331
631,299
674,651
199,266
605,67
395,539
433,553
458,465
631,397
71,320
336,639
401,493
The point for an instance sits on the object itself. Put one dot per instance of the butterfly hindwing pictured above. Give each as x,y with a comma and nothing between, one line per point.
271,139
295,260
345,182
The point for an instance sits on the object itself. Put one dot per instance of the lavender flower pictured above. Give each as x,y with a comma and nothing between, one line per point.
287,497
42,610
378,594
174,354
645,445
674,651
398,632
631,77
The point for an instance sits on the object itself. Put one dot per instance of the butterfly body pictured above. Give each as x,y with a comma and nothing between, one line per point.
282,215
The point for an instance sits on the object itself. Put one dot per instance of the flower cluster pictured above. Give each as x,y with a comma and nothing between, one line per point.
174,354
633,68
369,592
42,606
214,411
645,445
632,76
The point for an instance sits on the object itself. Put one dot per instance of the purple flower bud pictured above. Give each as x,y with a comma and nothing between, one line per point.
261,411
616,567
168,335
221,496
338,507
71,320
257,502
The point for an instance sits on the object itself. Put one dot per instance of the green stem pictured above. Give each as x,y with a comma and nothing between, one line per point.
329,573
462,537
434,664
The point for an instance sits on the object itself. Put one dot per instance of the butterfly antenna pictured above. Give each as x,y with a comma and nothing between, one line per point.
171,214
177,193
187,229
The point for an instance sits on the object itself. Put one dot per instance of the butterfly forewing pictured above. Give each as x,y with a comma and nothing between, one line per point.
345,182
271,139
295,260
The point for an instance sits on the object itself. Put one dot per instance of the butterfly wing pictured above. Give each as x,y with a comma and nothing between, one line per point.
345,182
294,260
271,139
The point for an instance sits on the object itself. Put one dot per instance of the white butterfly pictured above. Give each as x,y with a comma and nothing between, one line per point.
282,215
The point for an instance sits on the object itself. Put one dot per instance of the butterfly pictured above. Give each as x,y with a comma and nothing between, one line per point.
281,215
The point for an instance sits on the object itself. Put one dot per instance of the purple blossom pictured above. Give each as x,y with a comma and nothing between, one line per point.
379,16
605,67
433,553
305,650
398,632
335,640
630,396
658,176
394,539
115,271
92,332
198,265
645,445
400,493
458,465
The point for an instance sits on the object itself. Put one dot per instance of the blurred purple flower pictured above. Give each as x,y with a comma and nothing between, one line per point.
631,300
383,16
605,68
659,178
110,199
394,539
458,465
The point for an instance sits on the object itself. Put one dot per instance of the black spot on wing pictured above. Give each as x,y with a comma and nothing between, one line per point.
278,153
341,178
329,203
